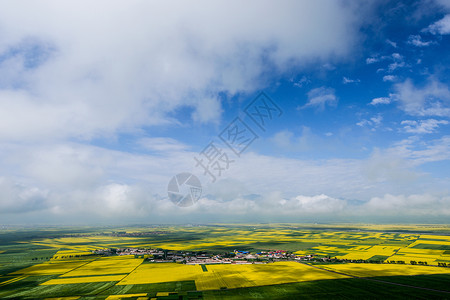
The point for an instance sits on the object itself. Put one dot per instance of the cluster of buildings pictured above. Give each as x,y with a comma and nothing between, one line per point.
202,257
235,257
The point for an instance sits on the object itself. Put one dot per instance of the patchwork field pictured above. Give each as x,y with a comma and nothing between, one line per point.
106,265
55,263
227,276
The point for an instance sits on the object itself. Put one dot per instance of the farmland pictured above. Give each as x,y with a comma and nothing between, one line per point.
60,262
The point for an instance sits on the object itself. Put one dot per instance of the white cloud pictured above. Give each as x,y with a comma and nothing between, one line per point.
432,99
346,80
395,65
397,59
422,126
81,183
288,141
373,122
440,27
444,3
410,205
304,80
388,166
371,60
321,97
419,151
20,198
380,100
319,204
397,56
389,78
417,41
377,120
393,44
162,144
117,66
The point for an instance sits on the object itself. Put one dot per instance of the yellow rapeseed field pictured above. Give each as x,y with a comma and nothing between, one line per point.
107,265
230,276
161,272
235,276
84,279
52,267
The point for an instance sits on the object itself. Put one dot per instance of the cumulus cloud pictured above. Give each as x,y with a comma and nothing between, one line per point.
115,67
417,151
256,186
389,78
440,27
395,65
75,76
380,100
410,205
416,40
321,97
432,99
371,60
16,198
373,122
422,126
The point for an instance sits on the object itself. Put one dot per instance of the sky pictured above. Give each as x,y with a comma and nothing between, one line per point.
285,111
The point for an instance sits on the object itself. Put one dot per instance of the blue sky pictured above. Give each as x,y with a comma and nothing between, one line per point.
101,107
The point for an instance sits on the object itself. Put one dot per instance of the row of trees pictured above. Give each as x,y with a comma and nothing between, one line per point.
413,262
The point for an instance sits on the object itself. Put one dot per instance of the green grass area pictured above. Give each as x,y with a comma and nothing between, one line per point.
437,281
152,288
328,289
22,256
378,258
22,287
432,246
204,268
26,289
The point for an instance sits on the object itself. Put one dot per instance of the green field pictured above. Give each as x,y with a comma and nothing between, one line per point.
39,263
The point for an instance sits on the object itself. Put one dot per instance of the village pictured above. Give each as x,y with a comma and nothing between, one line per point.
203,257
234,257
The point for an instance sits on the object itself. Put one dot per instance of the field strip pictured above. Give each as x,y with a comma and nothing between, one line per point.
104,278
95,275
13,280
131,271
112,297
88,262
377,280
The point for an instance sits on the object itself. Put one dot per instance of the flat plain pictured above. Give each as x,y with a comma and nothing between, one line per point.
45,263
